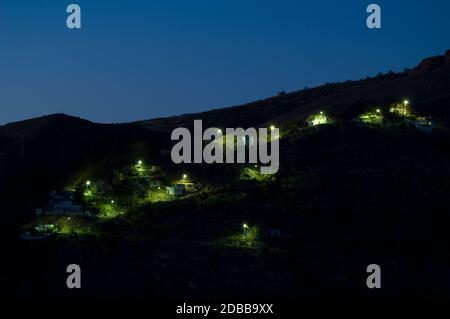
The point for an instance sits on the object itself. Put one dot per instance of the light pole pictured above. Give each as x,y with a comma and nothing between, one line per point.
245,228
405,105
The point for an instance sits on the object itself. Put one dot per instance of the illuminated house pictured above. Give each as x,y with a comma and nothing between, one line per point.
401,109
374,117
44,228
144,181
154,183
189,187
179,189
318,119
176,190
41,231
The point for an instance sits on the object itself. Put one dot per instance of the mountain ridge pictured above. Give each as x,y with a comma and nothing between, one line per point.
293,107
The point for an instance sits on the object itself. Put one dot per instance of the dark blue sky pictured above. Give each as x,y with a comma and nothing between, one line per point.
136,60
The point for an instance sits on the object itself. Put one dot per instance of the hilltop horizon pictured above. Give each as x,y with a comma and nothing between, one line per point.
425,65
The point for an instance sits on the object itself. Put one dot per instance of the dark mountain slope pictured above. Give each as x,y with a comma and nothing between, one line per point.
420,89
346,195
256,113
428,83
40,154
50,152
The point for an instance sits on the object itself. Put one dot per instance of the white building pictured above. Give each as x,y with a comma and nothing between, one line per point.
61,204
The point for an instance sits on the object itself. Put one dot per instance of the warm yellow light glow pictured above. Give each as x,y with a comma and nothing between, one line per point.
406,102
139,162
219,131
245,226
272,127
112,202
88,183
319,119
378,110
184,176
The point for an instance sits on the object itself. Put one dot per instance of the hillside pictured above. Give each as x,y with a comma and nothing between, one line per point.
367,180
48,153
427,85
40,154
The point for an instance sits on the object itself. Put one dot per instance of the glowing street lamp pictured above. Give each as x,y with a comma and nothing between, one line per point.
112,202
246,228
219,131
272,127
184,176
139,162
405,105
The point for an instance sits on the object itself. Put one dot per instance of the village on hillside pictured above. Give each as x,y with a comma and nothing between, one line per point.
74,209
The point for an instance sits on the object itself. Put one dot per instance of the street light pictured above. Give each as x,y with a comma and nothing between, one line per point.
405,104
272,127
245,227
139,162
184,176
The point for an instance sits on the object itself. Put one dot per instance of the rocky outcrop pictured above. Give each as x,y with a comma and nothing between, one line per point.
447,57
430,64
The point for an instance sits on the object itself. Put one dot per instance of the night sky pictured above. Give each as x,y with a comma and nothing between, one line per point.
135,60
